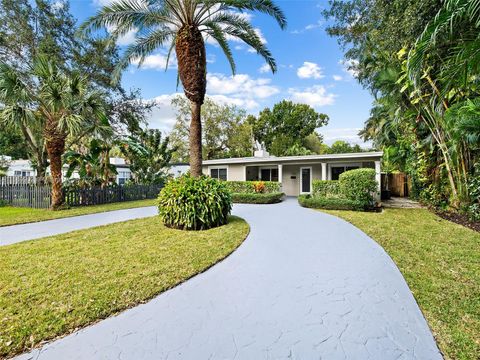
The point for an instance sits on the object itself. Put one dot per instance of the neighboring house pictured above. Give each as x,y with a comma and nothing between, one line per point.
295,173
178,169
24,168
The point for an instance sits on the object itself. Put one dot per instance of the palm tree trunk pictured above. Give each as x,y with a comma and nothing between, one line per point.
196,140
55,149
192,69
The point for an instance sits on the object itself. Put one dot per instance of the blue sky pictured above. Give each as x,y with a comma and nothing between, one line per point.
310,70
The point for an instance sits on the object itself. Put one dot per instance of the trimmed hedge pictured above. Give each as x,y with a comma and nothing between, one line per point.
191,203
359,185
325,188
249,198
331,203
248,187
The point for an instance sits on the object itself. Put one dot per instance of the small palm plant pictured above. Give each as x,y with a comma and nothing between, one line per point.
183,25
62,104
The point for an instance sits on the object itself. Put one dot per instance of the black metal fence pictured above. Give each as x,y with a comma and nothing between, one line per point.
29,192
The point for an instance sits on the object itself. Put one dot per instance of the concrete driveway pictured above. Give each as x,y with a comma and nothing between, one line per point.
304,285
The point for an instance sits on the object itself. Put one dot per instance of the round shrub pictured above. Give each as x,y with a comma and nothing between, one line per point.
359,185
194,203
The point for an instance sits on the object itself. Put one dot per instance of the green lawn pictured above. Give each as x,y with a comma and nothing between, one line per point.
15,215
50,287
441,262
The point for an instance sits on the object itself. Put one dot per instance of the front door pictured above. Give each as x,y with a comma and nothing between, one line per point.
305,180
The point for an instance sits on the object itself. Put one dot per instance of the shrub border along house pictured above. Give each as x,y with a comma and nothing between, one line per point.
354,190
255,192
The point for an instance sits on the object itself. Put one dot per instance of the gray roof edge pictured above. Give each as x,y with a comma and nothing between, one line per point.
346,156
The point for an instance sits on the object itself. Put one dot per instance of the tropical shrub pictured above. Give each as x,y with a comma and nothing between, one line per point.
3,203
259,187
259,198
359,185
194,203
325,188
331,203
473,209
249,186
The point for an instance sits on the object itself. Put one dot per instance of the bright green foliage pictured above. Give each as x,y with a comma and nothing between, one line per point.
149,155
331,203
191,203
257,198
326,188
285,125
248,187
358,185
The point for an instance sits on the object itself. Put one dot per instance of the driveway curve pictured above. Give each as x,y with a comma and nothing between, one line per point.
304,285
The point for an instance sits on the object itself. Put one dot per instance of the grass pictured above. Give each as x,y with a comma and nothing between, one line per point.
15,215
440,261
52,286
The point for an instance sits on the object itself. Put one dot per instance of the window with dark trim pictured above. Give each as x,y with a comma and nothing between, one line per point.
269,174
219,173
337,170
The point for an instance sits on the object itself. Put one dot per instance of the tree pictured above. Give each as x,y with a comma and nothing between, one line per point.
225,131
93,165
63,105
182,25
343,147
31,29
149,156
285,125
12,143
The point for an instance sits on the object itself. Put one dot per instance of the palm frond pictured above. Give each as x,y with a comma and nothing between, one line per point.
216,32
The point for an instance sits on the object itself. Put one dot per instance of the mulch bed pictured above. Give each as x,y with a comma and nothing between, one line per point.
459,219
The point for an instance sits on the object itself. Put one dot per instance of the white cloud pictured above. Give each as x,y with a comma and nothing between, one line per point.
350,135
350,67
307,28
163,115
240,86
337,77
309,70
315,96
265,68
247,104
156,62
127,39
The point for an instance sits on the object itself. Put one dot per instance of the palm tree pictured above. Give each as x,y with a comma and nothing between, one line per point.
183,25
63,104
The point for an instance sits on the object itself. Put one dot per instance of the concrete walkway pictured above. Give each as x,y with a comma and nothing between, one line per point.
304,285
17,233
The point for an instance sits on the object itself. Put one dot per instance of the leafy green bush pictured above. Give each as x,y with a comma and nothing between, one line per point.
330,203
249,198
194,203
3,203
359,185
248,187
326,188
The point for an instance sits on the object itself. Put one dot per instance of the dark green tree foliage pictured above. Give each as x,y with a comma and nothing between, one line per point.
343,147
12,144
149,155
286,125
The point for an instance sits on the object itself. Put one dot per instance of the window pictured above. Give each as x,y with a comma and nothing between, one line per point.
22,173
269,174
123,177
219,173
337,170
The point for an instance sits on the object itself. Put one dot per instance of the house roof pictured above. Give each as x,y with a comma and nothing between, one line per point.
370,155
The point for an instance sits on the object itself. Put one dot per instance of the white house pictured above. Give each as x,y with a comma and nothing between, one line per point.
23,168
295,173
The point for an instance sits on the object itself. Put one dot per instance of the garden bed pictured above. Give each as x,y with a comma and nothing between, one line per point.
256,198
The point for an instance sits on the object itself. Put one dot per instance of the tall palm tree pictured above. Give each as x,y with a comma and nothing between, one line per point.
64,104
183,25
